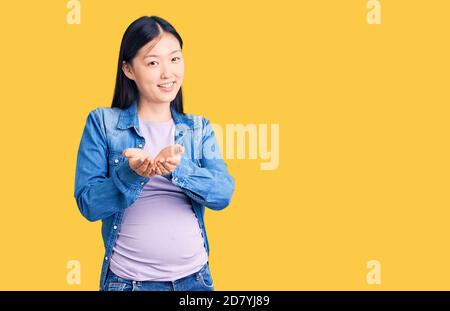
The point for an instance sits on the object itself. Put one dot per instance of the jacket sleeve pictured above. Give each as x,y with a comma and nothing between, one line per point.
99,193
209,184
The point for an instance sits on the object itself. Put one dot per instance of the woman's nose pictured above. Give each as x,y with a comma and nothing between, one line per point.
166,72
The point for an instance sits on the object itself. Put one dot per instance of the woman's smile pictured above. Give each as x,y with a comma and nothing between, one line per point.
167,87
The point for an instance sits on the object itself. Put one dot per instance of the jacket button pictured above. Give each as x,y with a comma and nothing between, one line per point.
106,258
140,145
116,161
115,227
142,183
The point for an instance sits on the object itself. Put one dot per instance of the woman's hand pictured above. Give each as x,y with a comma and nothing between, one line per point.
140,162
168,159
164,163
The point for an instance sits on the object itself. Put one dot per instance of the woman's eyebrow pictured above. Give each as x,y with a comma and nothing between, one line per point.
158,55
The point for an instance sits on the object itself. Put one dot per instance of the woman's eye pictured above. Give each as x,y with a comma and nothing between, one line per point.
152,62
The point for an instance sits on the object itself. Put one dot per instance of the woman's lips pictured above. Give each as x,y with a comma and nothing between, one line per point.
167,88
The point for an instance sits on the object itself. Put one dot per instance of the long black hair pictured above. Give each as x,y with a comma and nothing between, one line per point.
139,33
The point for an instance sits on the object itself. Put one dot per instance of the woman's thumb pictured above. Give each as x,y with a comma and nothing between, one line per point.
178,149
130,152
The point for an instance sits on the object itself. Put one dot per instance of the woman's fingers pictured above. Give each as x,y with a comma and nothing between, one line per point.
143,167
169,160
157,169
150,168
138,159
179,149
162,168
132,152
173,160
169,167
158,158
135,163
153,172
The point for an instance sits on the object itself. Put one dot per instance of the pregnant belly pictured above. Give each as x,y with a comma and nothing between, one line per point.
156,231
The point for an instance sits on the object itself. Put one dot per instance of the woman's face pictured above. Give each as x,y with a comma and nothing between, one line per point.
157,64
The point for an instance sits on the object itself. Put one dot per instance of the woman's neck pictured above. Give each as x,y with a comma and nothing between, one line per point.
154,112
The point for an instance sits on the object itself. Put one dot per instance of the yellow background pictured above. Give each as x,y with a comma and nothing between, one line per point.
364,156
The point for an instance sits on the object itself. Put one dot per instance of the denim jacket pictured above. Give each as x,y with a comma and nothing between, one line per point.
105,185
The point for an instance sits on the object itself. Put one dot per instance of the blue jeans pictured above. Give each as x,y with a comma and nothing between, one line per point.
197,281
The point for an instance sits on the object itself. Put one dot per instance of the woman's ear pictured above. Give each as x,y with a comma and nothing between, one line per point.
127,70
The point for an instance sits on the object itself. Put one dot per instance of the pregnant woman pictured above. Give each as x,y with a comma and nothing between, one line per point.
147,170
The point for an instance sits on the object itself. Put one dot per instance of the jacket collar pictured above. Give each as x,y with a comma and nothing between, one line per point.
129,118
